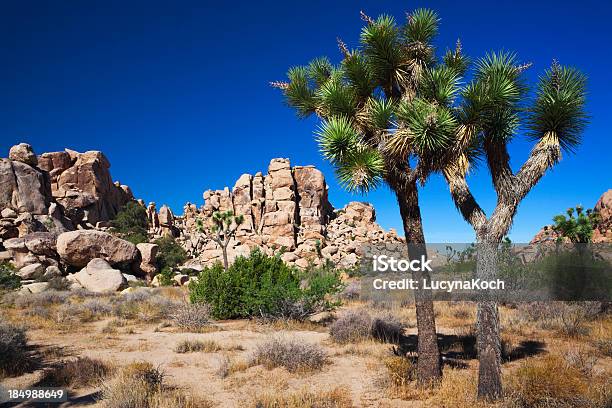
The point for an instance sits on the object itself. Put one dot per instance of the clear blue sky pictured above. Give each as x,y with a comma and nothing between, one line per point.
176,94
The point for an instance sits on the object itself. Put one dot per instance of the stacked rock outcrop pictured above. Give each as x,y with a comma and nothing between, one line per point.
285,210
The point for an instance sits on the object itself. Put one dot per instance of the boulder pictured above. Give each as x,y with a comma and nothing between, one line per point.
41,243
23,188
52,272
180,279
130,278
148,255
24,153
98,276
8,213
36,287
33,271
78,248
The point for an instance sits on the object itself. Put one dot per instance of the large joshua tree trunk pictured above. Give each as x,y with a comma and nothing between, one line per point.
488,331
428,364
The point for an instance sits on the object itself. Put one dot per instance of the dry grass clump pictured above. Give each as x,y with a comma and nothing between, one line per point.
359,325
548,382
581,360
189,346
14,357
456,390
567,318
292,354
192,317
603,346
43,299
400,370
82,372
143,305
336,398
461,311
112,326
351,327
141,385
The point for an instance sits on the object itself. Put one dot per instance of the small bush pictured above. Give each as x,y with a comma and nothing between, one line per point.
82,372
189,346
144,306
352,326
46,298
263,286
548,382
352,291
135,385
292,354
131,223
191,317
359,325
581,361
387,328
14,358
140,385
170,253
39,311
8,279
401,370
97,307
336,398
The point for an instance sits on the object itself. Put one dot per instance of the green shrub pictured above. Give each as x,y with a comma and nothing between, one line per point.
266,287
166,276
170,253
131,223
8,279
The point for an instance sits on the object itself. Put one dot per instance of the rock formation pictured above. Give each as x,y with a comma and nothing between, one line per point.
56,209
285,210
82,184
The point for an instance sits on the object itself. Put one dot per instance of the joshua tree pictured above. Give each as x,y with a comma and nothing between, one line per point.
393,113
384,120
222,230
579,228
492,108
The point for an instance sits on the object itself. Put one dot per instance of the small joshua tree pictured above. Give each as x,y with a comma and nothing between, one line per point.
223,229
579,228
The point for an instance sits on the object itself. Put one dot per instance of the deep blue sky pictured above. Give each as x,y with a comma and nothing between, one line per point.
176,94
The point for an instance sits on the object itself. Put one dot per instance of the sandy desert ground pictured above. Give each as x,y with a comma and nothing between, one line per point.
361,373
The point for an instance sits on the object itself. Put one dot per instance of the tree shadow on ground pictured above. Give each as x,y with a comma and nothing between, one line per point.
454,348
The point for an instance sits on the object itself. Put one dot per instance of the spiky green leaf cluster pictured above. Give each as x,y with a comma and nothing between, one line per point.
422,26
560,107
335,97
440,84
298,93
383,51
493,98
432,127
359,166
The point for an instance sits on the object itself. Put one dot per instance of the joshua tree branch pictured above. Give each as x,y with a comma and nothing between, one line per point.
544,155
466,203
498,161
